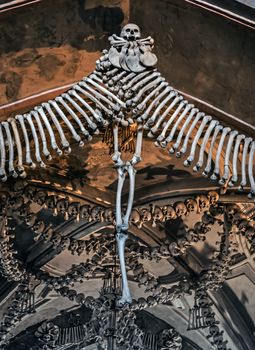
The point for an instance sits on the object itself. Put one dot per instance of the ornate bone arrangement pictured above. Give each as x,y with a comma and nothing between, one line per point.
127,91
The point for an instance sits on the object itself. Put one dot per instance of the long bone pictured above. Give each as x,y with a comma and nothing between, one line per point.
182,104
155,102
154,83
183,128
91,124
28,158
54,144
135,80
250,170
45,150
234,177
210,153
169,138
20,167
64,142
76,137
104,90
97,102
247,142
187,137
200,162
36,141
75,117
95,113
152,119
11,149
225,175
216,170
116,78
191,157
138,149
155,91
144,81
3,176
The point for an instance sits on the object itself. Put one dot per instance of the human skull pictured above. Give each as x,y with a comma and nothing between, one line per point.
203,202
157,215
85,211
191,205
62,205
56,239
73,209
97,214
40,197
180,209
130,32
213,197
169,212
109,215
135,217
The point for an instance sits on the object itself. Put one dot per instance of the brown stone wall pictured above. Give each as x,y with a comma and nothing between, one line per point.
201,53
53,43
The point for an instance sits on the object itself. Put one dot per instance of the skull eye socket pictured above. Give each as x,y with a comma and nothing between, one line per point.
136,30
128,30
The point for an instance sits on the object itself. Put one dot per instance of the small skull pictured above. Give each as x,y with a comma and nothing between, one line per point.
203,202
169,212
157,215
40,197
131,32
56,239
213,197
191,205
135,217
109,215
85,211
180,209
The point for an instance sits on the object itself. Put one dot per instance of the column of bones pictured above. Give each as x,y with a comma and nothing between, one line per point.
126,90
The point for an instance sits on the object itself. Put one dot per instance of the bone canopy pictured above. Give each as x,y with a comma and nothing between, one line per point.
126,90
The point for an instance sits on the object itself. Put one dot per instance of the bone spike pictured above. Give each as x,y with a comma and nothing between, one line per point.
75,117
162,136
200,162
28,151
190,158
152,119
225,176
92,125
108,93
216,170
234,177
42,134
247,142
63,139
11,150
155,102
186,140
209,159
54,145
169,138
21,170
76,137
36,141
96,114
181,132
250,170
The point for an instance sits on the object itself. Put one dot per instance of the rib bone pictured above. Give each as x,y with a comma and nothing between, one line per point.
247,142
216,171
234,177
225,176
11,149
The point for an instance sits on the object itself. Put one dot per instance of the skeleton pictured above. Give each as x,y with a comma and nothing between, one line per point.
125,90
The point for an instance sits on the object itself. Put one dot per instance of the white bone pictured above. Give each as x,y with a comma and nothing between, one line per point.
54,145
116,153
3,176
121,180
108,93
247,142
131,173
11,149
63,139
116,78
91,124
98,95
200,162
141,106
216,170
36,141
144,81
138,150
234,177
155,102
127,78
210,153
152,119
21,170
75,117
169,138
67,122
190,158
126,295
250,170
42,134
186,140
28,158
134,80
159,81
95,113
162,136
225,175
